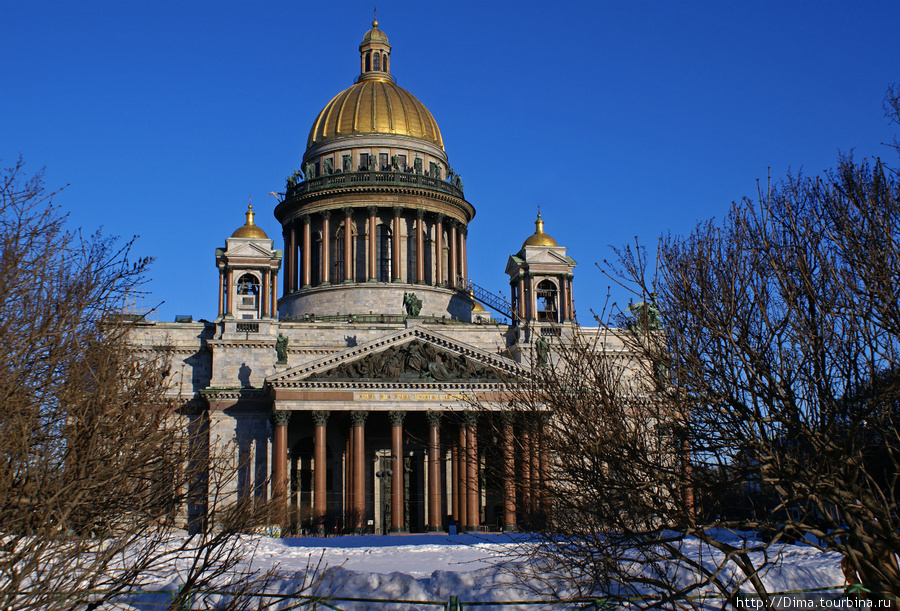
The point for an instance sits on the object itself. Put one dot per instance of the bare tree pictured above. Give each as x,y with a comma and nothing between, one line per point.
97,463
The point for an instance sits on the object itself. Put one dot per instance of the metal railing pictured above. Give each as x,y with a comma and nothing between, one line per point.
349,179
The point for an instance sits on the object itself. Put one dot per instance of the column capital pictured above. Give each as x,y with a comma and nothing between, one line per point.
434,418
397,418
398,210
304,218
470,417
320,418
281,417
439,218
373,210
326,214
358,418
347,210
420,214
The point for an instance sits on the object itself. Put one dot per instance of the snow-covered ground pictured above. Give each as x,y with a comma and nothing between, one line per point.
434,567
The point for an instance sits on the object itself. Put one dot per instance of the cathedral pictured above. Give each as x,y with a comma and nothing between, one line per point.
340,374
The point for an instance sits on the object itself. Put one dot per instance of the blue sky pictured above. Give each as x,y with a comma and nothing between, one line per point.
619,119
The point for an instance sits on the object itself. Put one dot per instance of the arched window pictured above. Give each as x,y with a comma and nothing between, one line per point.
411,267
384,62
247,294
547,301
376,65
368,56
383,246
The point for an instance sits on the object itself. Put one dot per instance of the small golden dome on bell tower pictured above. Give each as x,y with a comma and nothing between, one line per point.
249,229
539,238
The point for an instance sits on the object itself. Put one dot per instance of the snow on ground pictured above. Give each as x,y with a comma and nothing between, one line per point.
433,567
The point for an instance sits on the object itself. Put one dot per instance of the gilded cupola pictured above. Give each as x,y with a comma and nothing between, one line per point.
539,238
249,229
374,104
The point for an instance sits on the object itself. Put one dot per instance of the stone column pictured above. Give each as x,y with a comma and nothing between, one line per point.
263,305
509,475
462,482
420,246
454,480
454,253
372,240
279,463
463,267
273,307
435,520
473,510
348,245
398,514
520,301
221,291
532,298
396,275
571,300
348,476
320,474
290,267
307,251
326,247
439,250
563,300
525,462
358,419
229,293
535,483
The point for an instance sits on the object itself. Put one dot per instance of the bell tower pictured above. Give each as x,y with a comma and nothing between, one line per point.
540,280
248,273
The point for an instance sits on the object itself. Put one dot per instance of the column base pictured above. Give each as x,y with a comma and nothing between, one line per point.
510,528
349,282
306,286
434,529
396,530
372,280
398,281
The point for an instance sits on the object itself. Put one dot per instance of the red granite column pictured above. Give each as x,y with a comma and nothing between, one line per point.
571,297
525,462
532,298
263,305
279,464
395,247
273,305
520,294
463,267
348,477
398,517
454,480
348,245
454,254
326,247
509,475
307,251
462,481
435,520
229,293
373,264
359,468
420,246
439,250
290,263
320,420
535,483
563,301
473,511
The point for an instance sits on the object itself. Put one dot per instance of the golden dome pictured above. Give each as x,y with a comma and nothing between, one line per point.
539,238
476,305
374,106
248,229
375,34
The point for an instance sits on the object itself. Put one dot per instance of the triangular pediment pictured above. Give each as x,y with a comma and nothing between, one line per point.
254,250
555,256
413,356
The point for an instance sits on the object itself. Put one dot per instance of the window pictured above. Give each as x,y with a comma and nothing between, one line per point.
368,56
315,262
363,162
383,162
383,246
339,251
376,65
401,162
329,165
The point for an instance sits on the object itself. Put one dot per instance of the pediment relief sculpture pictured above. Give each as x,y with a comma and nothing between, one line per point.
415,360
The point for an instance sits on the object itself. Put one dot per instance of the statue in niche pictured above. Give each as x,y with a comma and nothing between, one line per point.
329,166
394,166
309,170
457,182
281,344
417,164
412,304
542,348
345,163
373,163
437,171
